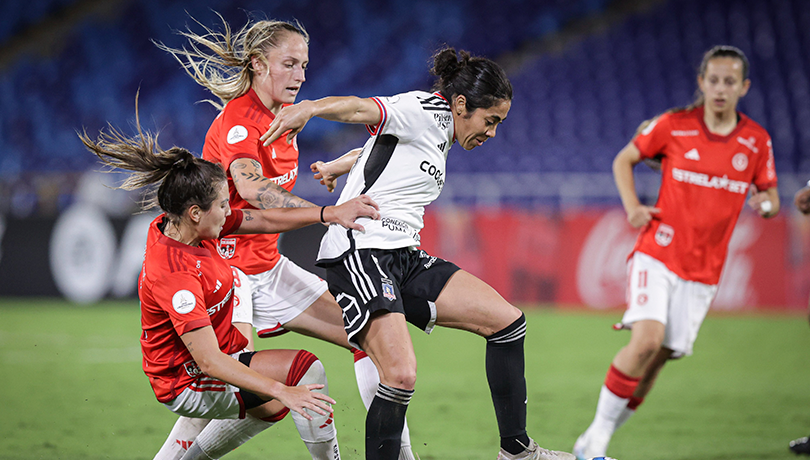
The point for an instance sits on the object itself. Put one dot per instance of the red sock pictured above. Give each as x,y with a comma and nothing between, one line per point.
358,354
620,384
635,401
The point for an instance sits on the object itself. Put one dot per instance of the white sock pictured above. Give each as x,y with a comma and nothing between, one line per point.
608,410
319,434
223,436
182,436
368,379
623,416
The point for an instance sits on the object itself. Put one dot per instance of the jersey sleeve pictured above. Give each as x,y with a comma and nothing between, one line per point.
232,222
181,296
240,139
765,172
652,139
401,116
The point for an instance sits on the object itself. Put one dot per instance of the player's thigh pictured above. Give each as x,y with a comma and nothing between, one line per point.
470,304
387,341
323,319
273,363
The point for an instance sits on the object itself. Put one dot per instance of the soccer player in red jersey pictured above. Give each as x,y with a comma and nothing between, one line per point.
254,72
194,356
709,155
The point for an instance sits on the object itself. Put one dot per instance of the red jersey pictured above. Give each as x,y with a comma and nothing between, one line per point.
704,185
234,135
183,288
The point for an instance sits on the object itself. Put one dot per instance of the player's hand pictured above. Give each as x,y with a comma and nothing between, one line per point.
324,174
346,213
641,215
302,397
802,200
761,203
290,120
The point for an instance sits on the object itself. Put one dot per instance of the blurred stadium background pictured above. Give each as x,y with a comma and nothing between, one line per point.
534,211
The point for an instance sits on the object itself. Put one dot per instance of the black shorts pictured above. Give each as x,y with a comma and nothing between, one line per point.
405,281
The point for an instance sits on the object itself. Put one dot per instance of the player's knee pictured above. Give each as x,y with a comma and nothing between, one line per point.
307,369
400,376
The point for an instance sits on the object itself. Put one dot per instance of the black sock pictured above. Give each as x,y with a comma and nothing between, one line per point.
507,383
384,422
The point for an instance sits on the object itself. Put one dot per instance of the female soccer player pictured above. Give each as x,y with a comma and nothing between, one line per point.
185,293
710,154
254,72
381,280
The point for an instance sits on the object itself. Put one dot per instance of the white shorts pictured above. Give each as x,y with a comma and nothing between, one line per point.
209,398
656,293
275,297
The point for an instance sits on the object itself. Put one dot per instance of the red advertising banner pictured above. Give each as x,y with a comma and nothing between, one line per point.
578,258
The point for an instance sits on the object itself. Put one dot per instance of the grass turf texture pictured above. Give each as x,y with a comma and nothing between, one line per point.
73,388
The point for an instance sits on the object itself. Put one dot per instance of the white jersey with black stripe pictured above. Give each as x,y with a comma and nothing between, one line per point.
402,168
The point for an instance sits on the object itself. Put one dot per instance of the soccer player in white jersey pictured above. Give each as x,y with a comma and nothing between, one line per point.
380,278
801,446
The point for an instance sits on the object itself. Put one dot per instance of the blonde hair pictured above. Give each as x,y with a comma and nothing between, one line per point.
225,68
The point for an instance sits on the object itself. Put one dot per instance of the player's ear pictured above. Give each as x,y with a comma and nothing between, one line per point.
460,104
195,213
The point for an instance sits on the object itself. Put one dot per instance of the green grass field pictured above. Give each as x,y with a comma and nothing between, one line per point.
73,389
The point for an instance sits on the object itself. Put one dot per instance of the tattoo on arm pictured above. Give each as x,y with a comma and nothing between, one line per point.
272,195
247,215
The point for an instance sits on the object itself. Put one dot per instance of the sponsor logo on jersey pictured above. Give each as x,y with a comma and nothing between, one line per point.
664,234
750,143
192,369
289,176
431,259
237,134
715,182
692,155
183,301
212,310
443,119
434,172
396,225
684,132
226,247
740,161
219,285
388,289
442,146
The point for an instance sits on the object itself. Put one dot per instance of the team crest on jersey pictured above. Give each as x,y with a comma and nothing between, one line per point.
192,369
642,299
226,247
664,234
237,134
388,289
740,161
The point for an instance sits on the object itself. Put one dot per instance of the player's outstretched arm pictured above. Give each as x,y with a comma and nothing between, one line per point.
203,346
329,172
279,220
637,214
260,191
345,109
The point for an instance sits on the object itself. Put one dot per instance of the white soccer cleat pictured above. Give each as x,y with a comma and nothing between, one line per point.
535,452
591,445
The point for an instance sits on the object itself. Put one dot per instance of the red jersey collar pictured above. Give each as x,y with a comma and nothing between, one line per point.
165,240
699,111
256,100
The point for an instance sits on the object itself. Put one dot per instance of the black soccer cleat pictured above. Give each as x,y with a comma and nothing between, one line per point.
800,446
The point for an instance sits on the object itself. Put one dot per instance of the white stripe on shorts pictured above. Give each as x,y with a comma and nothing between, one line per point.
360,279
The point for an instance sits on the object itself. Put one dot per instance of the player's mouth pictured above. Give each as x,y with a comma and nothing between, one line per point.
293,89
719,102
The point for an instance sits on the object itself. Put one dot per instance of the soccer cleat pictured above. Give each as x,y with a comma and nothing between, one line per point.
535,452
800,446
590,445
